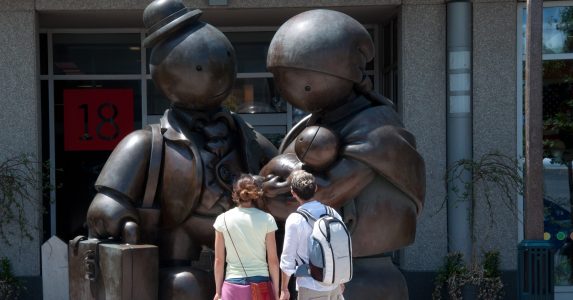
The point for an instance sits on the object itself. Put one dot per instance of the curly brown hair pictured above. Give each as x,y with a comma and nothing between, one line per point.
247,189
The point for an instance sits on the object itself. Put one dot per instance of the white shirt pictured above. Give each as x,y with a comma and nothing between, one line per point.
295,246
249,228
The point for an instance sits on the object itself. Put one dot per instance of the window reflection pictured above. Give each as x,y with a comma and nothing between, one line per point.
77,54
157,103
557,30
558,153
43,54
255,95
390,61
251,49
298,115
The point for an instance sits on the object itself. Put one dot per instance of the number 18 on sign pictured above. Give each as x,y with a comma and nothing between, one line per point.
96,119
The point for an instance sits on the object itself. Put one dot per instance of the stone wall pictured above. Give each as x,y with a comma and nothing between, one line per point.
19,102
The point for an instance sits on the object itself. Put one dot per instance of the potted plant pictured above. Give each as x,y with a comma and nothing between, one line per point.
454,276
10,286
494,176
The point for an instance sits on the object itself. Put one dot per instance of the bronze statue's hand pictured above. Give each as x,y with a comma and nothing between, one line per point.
111,218
278,199
130,233
281,165
275,186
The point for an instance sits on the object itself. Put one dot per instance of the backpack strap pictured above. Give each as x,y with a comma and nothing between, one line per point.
329,211
307,216
310,218
303,270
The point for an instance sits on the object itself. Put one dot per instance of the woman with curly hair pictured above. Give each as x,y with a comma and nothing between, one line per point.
245,239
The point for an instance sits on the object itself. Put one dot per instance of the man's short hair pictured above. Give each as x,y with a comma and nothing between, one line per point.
303,184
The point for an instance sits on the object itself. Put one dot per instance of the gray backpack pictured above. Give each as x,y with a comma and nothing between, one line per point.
330,249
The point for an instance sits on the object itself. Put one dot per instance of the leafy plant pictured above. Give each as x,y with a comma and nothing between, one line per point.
491,286
493,176
491,264
10,286
454,276
20,181
450,275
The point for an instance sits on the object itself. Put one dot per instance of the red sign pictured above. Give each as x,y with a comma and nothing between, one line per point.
96,119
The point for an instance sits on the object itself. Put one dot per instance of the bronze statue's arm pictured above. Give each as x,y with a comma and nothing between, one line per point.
120,184
343,182
108,215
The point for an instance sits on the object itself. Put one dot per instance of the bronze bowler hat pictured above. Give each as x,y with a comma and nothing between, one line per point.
163,17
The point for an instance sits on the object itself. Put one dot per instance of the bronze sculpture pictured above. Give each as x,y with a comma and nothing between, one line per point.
377,181
165,184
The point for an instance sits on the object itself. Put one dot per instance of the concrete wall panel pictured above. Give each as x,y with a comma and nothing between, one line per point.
494,116
423,106
421,2
16,5
141,4
20,119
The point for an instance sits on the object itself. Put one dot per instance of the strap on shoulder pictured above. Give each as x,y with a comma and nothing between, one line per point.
306,215
329,211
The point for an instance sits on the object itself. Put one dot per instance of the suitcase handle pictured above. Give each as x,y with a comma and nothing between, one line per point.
90,257
76,241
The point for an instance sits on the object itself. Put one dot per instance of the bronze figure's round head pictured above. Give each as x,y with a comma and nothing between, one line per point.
317,147
317,57
192,62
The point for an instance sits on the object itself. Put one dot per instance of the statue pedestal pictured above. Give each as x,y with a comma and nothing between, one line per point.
376,278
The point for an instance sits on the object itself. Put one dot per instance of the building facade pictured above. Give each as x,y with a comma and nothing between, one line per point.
49,47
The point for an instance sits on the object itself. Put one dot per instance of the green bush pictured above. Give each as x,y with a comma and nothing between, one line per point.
10,286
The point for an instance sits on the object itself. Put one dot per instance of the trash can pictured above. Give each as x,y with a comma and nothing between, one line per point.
535,270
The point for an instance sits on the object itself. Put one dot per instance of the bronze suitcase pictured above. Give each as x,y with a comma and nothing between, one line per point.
102,270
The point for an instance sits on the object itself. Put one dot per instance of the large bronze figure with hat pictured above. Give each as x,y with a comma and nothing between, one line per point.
165,184
377,177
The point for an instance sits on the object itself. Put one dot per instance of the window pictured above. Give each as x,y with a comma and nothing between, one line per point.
390,61
557,132
86,64
76,54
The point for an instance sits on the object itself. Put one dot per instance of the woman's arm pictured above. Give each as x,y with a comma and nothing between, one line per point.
273,261
219,263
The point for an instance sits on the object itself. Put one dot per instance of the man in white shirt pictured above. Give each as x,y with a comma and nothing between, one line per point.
297,236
